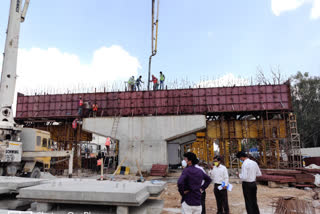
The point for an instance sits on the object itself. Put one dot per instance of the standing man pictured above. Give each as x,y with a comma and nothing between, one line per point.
162,78
80,103
219,174
249,171
155,82
94,109
131,83
138,83
190,185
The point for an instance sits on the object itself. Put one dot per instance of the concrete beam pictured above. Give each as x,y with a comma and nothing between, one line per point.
145,138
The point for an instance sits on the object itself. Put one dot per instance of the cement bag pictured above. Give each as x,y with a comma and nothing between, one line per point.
317,180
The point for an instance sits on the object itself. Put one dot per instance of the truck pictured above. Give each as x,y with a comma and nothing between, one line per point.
23,151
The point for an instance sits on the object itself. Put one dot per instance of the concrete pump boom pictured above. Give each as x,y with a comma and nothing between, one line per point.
9,67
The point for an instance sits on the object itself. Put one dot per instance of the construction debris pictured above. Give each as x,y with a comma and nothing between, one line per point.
299,178
159,170
292,205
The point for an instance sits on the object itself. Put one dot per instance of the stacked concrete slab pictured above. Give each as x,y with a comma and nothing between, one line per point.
13,184
123,194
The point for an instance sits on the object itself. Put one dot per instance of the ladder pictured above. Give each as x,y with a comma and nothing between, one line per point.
112,154
115,127
295,160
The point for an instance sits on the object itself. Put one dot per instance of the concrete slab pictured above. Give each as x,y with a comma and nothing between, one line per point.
15,183
87,191
151,206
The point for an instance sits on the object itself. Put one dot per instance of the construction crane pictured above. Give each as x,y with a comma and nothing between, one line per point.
154,36
22,150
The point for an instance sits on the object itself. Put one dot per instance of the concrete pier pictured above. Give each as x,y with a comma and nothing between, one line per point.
145,138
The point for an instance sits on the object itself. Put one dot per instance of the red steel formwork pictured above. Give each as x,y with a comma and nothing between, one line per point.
164,102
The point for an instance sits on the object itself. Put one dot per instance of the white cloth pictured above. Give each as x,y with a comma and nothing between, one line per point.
249,171
219,174
199,167
186,209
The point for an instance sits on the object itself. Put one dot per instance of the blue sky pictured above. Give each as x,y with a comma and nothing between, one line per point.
206,38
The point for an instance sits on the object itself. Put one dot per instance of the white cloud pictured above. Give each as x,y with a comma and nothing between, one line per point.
226,80
42,70
280,6
315,12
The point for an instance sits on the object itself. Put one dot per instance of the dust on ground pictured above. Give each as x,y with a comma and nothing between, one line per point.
265,196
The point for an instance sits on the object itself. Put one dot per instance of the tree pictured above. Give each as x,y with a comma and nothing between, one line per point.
305,92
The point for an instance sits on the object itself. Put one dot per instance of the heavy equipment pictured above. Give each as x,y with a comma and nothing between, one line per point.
23,151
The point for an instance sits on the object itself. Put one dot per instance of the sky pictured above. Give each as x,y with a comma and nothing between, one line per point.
75,45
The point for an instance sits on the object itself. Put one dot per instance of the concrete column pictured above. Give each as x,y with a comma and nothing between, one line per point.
122,210
145,138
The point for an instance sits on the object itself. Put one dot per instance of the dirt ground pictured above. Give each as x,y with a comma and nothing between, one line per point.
266,196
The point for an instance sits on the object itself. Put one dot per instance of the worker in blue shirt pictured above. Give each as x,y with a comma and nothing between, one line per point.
190,185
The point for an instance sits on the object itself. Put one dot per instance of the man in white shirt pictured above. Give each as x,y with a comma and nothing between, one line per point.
219,175
249,171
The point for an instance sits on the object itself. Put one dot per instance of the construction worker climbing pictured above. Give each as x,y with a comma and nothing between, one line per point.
107,144
162,78
94,109
155,83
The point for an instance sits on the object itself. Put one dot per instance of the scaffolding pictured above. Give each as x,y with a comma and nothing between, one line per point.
271,138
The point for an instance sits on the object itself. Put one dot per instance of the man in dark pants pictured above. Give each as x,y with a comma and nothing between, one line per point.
249,171
219,175
190,185
203,194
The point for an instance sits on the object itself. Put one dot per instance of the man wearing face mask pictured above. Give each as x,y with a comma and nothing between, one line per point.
219,175
249,171
190,185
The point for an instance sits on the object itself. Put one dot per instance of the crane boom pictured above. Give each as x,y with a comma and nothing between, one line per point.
9,66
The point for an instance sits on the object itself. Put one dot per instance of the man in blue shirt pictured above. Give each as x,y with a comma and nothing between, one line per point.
190,185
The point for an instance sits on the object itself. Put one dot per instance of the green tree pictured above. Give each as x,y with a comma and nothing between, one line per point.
305,92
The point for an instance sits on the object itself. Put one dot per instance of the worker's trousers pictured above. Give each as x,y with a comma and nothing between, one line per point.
250,196
186,209
203,202
161,84
221,199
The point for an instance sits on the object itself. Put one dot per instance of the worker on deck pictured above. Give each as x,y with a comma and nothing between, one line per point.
220,177
131,83
80,106
155,82
138,83
94,109
249,171
162,78
190,185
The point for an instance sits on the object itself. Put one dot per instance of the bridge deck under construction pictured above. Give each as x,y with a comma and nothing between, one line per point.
164,102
